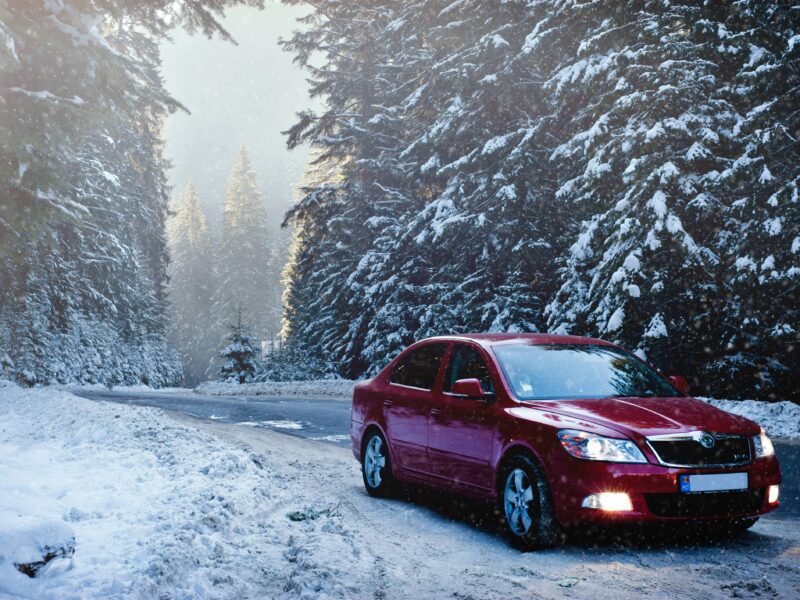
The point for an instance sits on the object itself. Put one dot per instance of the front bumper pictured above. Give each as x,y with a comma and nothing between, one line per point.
655,492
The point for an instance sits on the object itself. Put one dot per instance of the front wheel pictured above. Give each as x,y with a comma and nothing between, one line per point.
526,505
376,468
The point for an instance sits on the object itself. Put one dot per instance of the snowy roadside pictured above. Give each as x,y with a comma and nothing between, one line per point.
169,506
154,507
780,419
99,387
328,389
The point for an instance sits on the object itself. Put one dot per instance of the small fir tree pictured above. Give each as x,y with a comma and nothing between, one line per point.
240,355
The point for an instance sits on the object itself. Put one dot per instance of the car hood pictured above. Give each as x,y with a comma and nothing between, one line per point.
651,416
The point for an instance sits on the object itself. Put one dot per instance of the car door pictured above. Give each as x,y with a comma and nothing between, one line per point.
408,399
461,430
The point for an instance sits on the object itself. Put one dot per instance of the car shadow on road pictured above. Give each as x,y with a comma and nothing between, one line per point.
487,518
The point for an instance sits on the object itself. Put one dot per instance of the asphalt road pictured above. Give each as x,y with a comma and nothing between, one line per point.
329,421
322,420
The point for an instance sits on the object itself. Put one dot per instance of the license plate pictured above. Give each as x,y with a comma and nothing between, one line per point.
719,482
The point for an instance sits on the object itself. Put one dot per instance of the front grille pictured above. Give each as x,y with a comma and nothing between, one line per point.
709,504
688,452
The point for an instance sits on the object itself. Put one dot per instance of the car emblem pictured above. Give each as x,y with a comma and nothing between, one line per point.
706,440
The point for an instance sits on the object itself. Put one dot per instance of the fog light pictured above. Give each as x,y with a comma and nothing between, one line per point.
772,493
610,501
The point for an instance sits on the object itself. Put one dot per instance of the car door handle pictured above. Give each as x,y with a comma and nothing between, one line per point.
388,402
436,411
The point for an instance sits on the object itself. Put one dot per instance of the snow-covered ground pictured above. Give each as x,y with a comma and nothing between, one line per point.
332,389
154,507
174,507
780,419
98,387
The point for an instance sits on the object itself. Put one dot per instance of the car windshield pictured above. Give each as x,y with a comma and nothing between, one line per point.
549,372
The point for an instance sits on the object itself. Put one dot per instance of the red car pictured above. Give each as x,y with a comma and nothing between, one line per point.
559,431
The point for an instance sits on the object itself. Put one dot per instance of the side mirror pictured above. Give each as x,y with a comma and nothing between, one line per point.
469,388
679,383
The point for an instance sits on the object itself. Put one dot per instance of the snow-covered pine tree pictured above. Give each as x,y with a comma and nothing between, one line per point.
87,289
241,354
243,256
357,145
64,76
84,201
300,296
474,255
650,147
191,284
280,238
644,139
759,329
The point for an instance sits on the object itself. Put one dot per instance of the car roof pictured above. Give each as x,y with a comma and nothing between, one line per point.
493,339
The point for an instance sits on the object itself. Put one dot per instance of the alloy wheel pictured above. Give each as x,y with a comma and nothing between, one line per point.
374,462
517,498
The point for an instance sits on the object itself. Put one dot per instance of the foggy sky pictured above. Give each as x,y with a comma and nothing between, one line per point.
245,94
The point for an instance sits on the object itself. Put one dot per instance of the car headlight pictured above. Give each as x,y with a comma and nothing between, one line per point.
763,444
590,446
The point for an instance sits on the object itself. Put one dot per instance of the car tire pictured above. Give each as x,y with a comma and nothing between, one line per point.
376,466
526,506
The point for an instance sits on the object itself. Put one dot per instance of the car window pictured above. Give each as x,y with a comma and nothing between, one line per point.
420,367
544,372
467,363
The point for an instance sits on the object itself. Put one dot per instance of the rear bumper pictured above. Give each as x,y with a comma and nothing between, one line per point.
655,492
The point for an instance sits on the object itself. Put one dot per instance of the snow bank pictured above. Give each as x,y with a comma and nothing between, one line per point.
157,509
99,387
333,389
780,419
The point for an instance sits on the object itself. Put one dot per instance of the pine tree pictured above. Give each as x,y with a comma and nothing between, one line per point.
759,241
280,237
483,185
83,202
243,256
622,170
640,163
356,144
191,279
409,185
65,73
241,354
